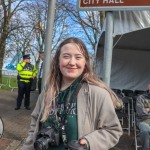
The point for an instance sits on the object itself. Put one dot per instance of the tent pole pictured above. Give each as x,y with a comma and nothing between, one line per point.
48,39
108,47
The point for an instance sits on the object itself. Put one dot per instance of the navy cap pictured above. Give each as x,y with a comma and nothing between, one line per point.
27,56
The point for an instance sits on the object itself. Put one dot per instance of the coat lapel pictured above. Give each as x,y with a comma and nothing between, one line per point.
82,103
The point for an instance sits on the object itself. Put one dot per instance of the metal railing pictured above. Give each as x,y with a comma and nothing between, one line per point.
9,77
13,79
4,81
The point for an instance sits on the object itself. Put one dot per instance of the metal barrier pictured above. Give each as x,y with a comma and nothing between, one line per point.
12,82
9,79
5,79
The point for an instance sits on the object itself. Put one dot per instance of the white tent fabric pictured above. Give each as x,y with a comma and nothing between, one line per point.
131,51
128,21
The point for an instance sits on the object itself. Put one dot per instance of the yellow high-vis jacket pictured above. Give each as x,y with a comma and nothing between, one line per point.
26,72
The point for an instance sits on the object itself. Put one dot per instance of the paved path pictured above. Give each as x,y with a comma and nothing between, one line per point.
16,122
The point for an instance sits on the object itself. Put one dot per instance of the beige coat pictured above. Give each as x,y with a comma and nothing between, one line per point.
97,120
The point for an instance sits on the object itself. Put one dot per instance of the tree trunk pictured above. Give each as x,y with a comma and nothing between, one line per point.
102,18
2,49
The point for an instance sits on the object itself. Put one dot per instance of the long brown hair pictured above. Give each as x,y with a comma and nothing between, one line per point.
55,77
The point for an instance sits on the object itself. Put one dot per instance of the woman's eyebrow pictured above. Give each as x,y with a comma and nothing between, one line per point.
66,54
70,54
79,54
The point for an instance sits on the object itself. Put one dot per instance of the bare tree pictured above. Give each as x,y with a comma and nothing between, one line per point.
89,24
36,13
18,40
7,9
27,27
88,21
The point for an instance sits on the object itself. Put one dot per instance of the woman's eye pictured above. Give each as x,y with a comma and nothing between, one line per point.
66,57
78,58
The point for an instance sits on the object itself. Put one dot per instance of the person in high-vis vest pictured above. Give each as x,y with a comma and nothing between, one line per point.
26,73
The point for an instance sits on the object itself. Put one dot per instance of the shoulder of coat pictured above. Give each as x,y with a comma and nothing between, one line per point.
94,89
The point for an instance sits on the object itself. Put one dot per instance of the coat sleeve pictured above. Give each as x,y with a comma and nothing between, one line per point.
20,66
29,142
107,126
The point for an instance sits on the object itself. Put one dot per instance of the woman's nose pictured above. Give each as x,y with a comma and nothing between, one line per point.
72,61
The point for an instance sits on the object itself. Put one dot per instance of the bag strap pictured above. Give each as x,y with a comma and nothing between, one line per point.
74,95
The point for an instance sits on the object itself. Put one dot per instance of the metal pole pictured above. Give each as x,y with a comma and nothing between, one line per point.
48,39
108,47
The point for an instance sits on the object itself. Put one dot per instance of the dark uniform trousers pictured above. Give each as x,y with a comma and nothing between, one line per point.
23,88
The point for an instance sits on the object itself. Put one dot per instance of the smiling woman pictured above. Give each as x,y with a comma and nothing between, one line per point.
75,108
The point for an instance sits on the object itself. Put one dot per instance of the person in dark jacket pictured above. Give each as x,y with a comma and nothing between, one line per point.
143,117
26,73
40,74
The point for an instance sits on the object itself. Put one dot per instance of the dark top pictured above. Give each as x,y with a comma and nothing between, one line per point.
69,116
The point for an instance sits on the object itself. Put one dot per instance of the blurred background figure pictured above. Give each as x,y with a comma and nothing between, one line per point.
143,117
40,72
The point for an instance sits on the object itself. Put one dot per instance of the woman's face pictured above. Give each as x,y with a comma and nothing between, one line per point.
71,62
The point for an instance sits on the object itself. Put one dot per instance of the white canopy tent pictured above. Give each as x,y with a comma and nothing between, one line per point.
131,51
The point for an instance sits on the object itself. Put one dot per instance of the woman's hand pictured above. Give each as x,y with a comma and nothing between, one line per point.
147,110
83,142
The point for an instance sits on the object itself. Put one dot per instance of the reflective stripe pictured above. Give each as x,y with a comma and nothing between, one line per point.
26,75
27,81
